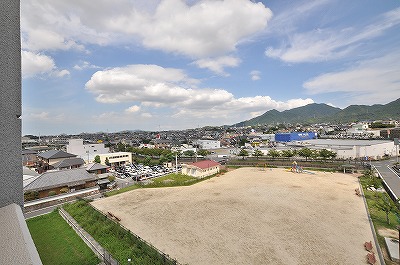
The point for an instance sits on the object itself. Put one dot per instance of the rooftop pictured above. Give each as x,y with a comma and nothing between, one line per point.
70,177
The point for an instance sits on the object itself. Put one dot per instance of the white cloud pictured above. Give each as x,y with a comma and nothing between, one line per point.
255,75
35,63
326,44
44,116
85,65
145,83
133,109
173,91
62,73
217,65
201,29
369,82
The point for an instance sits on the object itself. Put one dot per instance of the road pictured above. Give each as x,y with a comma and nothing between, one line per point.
388,175
49,209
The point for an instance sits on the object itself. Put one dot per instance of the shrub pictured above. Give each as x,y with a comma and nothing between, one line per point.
64,190
111,178
52,193
31,195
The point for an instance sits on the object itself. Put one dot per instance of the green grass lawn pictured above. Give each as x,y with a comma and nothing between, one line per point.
58,243
378,217
110,235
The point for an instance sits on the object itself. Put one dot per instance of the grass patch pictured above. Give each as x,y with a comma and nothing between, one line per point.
170,180
58,243
378,217
119,242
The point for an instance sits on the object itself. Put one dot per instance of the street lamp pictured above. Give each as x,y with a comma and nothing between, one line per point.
129,261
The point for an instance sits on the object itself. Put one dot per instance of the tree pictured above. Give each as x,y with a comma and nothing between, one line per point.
326,154
203,152
274,153
107,162
371,180
97,159
305,152
258,153
147,161
287,153
384,203
111,178
189,153
242,142
121,147
243,153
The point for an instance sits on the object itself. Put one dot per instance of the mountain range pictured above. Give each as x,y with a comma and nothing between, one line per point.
323,113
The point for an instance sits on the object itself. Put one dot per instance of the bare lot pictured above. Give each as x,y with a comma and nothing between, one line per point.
251,216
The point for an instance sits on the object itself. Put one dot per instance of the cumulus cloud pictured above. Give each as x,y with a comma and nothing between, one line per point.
85,65
200,29
38,64
172,90
255,75
35,63
217,65
320,44
369,82
133,109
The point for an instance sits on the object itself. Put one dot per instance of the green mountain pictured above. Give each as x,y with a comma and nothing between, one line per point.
318,113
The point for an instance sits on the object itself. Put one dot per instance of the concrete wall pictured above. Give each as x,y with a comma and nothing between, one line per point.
86,151
16,244
10,107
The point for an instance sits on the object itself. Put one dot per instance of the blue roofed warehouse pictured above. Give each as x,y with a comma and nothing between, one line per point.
295,136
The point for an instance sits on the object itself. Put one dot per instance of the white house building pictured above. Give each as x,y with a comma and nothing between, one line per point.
201,169
86,151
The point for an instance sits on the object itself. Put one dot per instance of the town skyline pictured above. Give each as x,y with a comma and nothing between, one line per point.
171,65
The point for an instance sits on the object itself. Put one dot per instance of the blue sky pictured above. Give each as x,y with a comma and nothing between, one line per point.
174,64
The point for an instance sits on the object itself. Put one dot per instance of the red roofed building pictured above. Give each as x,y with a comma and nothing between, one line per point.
201,169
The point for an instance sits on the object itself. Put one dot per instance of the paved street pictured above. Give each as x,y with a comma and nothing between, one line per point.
388,175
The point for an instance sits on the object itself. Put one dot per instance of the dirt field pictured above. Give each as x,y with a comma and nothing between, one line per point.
251,216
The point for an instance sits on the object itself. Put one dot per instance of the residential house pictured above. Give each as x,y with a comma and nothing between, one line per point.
47,159
29,157
68,163
201,169
56,182
96,168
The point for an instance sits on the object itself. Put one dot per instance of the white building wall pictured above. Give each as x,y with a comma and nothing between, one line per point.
116,158
374,151
86,151
209,144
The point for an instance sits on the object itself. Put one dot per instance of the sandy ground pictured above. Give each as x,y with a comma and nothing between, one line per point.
251,216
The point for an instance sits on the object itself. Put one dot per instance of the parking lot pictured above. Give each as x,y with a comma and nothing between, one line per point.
130,174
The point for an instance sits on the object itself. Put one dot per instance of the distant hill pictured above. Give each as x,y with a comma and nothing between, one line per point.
318,113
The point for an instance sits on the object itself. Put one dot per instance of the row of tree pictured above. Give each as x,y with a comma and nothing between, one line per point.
304,152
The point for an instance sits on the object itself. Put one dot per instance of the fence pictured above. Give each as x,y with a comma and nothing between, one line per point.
165,257
104,255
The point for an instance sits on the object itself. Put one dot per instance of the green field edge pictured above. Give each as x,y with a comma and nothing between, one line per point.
170,180
57,243
121,243
378,218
